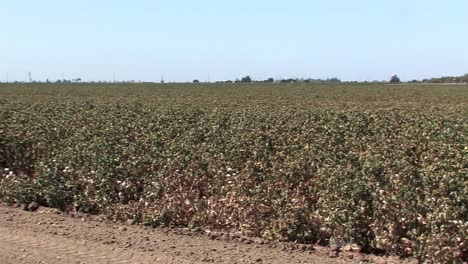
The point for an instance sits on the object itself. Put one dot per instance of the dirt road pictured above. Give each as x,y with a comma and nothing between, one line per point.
47,236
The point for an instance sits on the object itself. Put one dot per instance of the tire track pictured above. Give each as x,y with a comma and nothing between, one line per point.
49,237
48,249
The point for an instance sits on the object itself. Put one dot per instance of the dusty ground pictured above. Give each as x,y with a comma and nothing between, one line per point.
47,236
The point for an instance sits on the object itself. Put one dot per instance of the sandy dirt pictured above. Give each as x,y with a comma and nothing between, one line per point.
48,236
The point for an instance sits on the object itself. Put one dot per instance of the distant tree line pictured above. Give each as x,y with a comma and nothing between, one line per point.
66,81
393,79
448,79
248,79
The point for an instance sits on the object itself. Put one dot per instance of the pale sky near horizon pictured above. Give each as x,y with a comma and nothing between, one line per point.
361,40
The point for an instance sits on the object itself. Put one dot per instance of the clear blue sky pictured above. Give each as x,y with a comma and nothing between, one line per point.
222,39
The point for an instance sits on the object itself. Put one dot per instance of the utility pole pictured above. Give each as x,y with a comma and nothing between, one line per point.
7,78
30,77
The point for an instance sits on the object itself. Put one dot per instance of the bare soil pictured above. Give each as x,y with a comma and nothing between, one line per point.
49,236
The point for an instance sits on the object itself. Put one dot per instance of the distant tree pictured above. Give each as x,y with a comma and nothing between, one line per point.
246,79
395,79
333,80
196,81
465,78
270,80
290,80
